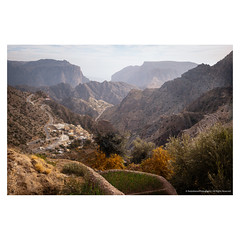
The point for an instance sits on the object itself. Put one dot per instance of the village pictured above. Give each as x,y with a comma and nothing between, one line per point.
59,138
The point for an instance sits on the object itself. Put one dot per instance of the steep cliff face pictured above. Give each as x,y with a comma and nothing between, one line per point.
146,108
152,74
44,72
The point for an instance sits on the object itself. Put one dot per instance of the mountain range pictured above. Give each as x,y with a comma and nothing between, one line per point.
200,97
89,98
144,112
152,74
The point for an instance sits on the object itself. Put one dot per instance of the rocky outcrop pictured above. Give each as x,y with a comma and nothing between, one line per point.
28,176
152,74
44,72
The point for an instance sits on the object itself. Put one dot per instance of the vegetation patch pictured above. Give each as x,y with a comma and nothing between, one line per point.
73,168
41,169
203,164
130,182
91,189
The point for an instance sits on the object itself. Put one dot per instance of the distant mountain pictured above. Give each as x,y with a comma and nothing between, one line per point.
88,98
111,92
44,72
152,74
141,109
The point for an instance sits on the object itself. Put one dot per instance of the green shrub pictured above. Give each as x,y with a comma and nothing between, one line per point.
43,156
75,186
91,189
73,168
203,163
112,143
141,150
72,186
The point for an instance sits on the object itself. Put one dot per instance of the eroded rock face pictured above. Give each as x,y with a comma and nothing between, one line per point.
44,72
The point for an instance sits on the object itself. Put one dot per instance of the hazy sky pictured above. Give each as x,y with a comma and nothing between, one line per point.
101,61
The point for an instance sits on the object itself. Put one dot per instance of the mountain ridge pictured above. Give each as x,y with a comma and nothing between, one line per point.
152,74
81,98
44,72
147,107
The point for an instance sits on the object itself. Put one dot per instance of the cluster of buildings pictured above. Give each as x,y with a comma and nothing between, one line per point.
63,134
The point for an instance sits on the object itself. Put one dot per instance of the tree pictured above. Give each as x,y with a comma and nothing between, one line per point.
203,163
159,163
111,143
141,150
101,162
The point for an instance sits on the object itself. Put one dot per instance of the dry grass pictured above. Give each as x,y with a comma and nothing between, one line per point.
40,165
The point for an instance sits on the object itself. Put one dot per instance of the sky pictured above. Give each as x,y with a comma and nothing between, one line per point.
100,62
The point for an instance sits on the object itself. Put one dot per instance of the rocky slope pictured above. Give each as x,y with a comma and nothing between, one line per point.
27,118
31,175
111,92
152,74
141,109
213,107
44,72
88,98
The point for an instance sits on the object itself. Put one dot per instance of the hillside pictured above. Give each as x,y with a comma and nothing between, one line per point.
152,74
25,120
111,92
140,109
90,98
44,72
213,107
33,122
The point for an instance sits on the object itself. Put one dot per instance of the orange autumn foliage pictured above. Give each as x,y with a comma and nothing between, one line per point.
159,163
101,162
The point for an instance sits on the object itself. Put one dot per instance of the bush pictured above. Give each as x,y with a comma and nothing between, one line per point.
203,163
101,162
73,168
111,143
141,150
159,163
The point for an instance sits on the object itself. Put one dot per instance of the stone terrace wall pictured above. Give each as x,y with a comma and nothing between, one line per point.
100,181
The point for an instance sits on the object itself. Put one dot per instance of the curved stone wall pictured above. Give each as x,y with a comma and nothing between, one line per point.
100,181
